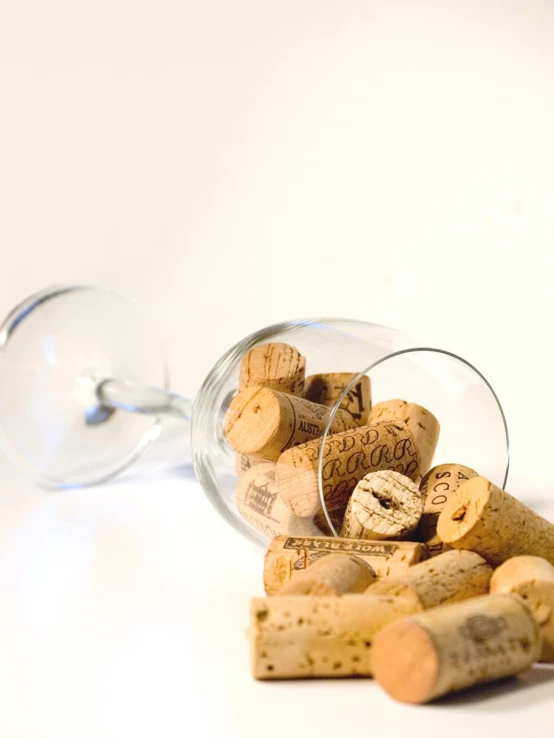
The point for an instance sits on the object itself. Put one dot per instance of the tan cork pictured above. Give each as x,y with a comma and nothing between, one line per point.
347,458
532,578
437,485
450,577
326,389
384,505
427,655
244,463
420,421
263,422
481,517
331,575
297,637
275,365
287,555
258,503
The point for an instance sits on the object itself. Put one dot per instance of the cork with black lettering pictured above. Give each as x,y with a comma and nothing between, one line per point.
437,486
263,422
258,503
346,458
326,389
532,578
332,575
420,421
424,656
244,463
287,555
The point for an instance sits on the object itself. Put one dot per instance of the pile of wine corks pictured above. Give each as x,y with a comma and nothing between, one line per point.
275,425
439,580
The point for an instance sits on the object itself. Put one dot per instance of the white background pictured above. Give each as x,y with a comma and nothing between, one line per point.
230,165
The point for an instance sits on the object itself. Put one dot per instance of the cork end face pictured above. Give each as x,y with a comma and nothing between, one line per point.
253,418
463,510
405,662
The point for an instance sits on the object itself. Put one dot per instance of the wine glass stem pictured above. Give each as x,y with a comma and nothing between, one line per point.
119,394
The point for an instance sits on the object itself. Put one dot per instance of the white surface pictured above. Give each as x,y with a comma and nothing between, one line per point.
231,165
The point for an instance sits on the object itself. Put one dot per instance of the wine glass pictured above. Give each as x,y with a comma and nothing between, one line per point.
84,389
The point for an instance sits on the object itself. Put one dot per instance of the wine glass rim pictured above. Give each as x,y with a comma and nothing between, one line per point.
373,365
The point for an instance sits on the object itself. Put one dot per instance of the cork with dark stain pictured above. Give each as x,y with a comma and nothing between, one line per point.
384,505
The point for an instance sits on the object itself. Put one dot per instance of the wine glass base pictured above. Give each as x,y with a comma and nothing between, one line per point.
56,348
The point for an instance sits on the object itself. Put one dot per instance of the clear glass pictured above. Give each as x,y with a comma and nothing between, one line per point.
473,426
84,390
58,349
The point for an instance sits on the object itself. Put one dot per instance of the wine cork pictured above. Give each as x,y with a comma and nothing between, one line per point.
263,422
287,555
427,655
384,505
326,389
297,637
331,575
259,504
347,458
437,486
532,578
450,577
483,518
275,365
420,421
244,463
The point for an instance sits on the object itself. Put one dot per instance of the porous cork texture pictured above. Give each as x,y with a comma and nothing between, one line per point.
258,503
420,421
424,656
297,637
483,518
331,575
287,555
532,578
438,485
450,577
347,458
263,422
275,365
326,389
383,505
